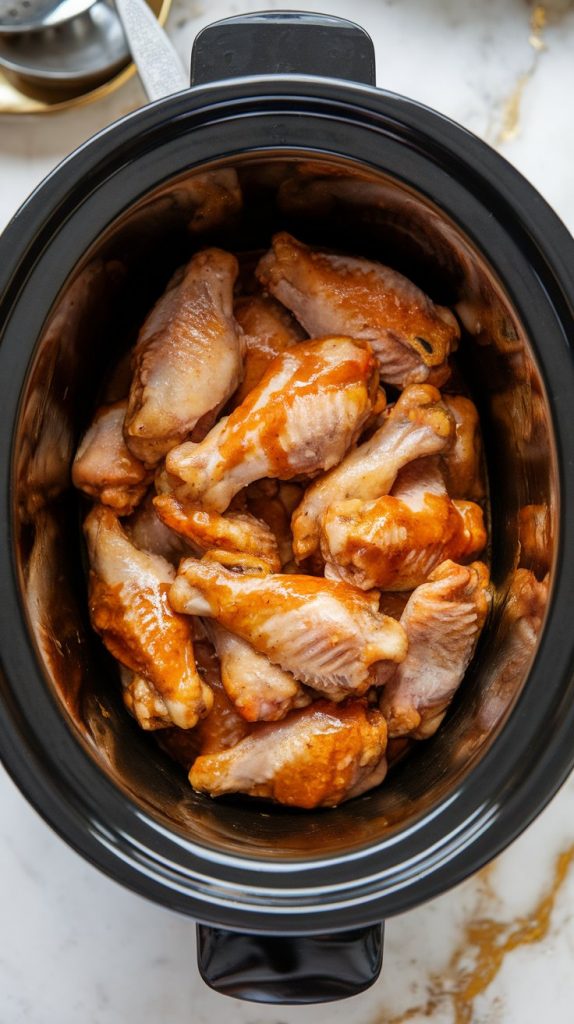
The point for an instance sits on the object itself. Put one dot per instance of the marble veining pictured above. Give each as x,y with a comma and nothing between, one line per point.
498,949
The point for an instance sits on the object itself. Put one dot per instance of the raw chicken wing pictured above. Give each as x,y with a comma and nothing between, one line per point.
301,418
258,689
329,635
418,424
188,357
105,468
411,336
269,329
235,531
443,619
316,757
394,543
130,610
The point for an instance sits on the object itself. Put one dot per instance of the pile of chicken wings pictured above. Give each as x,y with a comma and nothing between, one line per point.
286,518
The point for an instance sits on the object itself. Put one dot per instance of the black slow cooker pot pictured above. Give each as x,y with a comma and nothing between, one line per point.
289,903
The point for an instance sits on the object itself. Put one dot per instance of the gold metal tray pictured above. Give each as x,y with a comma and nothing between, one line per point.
12,101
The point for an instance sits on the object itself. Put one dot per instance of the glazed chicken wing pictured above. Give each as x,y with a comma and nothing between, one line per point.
395,542
411,336
462,463
258,689
443,619
130,610
105,468
418,425
269,329
205,530
301,418
329,635
188,357
316,757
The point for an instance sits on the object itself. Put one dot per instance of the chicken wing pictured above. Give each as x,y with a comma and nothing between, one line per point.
258,689
329,294
443,619
395,542
301,418
235,531
418,424
130,610
188,357
462,463
316,757
105,468
328,634
269,329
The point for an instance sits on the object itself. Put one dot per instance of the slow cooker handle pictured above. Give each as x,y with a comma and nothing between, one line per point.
283,43
290,969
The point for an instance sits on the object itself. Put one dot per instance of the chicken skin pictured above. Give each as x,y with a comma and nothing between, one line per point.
302,417
188,357
462,463
268,329
443,619
235,531
130,610
329,294
105,468
259,690
395,542
418,425
316,757
327,634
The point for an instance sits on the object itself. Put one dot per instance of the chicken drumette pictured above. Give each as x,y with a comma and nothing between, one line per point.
327,634
329,294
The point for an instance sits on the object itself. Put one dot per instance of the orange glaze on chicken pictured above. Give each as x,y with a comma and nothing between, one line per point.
301,418
353,375
316,757
268,330
328,634
388,545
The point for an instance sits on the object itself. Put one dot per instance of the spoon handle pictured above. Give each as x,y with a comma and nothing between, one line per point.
159,67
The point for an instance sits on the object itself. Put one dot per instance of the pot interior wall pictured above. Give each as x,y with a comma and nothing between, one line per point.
96,319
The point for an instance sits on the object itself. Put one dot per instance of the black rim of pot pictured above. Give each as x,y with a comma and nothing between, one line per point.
533,254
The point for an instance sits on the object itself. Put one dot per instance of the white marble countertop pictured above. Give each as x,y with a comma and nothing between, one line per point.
74,946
